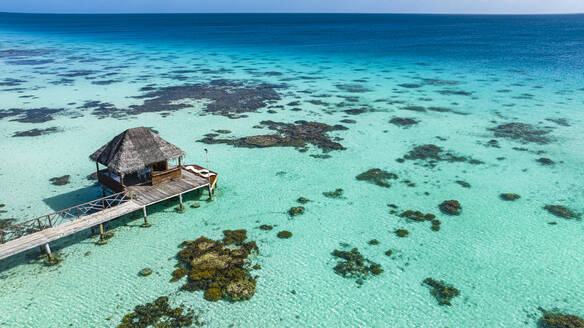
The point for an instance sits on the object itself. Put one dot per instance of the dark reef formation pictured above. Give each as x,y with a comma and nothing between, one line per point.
442,291
377,177
561,211
403,121
36,132
352,264
432,154
60,181
296,135
509,196
560,320
160,314
522,132
220,268
450,207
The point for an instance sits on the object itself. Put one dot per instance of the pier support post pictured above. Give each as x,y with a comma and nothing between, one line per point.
146,224
210,193
50,260
180,200
102,237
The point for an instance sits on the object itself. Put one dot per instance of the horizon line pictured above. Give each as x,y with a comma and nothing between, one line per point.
292,13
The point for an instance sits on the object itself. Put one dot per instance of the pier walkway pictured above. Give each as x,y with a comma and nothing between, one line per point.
42,230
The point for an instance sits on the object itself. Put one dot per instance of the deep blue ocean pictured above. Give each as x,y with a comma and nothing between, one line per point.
368,122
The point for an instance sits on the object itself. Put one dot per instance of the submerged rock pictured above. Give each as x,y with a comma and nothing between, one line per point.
266,227
561,211
145,272
545,161
509,197
297,210
353,265
60,181
450,207
218,268
36,132
337,193
401,233
443,292
284,234
432,154
160,314
522,132
303,200
296,135
378,177
403,121
560,320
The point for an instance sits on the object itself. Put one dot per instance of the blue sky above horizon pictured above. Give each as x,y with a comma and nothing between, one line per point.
313,6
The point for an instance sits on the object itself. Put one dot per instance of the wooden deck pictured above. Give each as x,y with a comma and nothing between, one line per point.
42,230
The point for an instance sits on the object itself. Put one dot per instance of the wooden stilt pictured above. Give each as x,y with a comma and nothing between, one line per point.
210,193
180,200
48,251
146,223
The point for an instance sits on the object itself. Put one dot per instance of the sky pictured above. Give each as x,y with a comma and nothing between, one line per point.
302,6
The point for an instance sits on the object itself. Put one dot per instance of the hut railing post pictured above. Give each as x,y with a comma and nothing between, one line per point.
50,222
77,208
2,236
40,225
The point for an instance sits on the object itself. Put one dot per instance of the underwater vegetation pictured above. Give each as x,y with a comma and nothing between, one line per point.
60,181
421,217
509,197
297,135
337,193
352,264
559,320
284,234
296,210
217,267
442,291
561,211
450,207
159,314
522,132
432,154
377,177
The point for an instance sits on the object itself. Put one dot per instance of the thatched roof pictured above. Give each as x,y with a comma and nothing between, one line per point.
135,149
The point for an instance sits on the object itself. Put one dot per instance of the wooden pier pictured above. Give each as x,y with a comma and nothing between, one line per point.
45,229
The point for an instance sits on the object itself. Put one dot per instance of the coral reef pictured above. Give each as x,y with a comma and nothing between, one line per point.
303,200
561,211
60,181
450,207
337,193
432,154
284,234
522,132
353,265
160,314
145,272
36,132
545,161
403,121
296,135
378,177
266,227
509,197
443,292
218,268
401,232
296,210
560,320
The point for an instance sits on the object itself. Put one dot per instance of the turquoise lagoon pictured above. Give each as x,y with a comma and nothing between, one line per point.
506,258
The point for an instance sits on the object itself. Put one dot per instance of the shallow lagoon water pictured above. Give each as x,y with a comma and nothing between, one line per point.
504,257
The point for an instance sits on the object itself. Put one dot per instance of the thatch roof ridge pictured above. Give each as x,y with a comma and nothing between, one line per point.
135,149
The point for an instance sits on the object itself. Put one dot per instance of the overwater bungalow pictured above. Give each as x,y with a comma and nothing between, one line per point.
137,173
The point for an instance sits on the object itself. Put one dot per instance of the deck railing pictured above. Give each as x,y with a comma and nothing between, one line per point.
57,218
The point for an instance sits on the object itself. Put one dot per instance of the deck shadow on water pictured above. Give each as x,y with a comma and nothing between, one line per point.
73,198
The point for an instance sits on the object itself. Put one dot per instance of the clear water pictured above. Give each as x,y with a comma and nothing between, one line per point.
504,257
